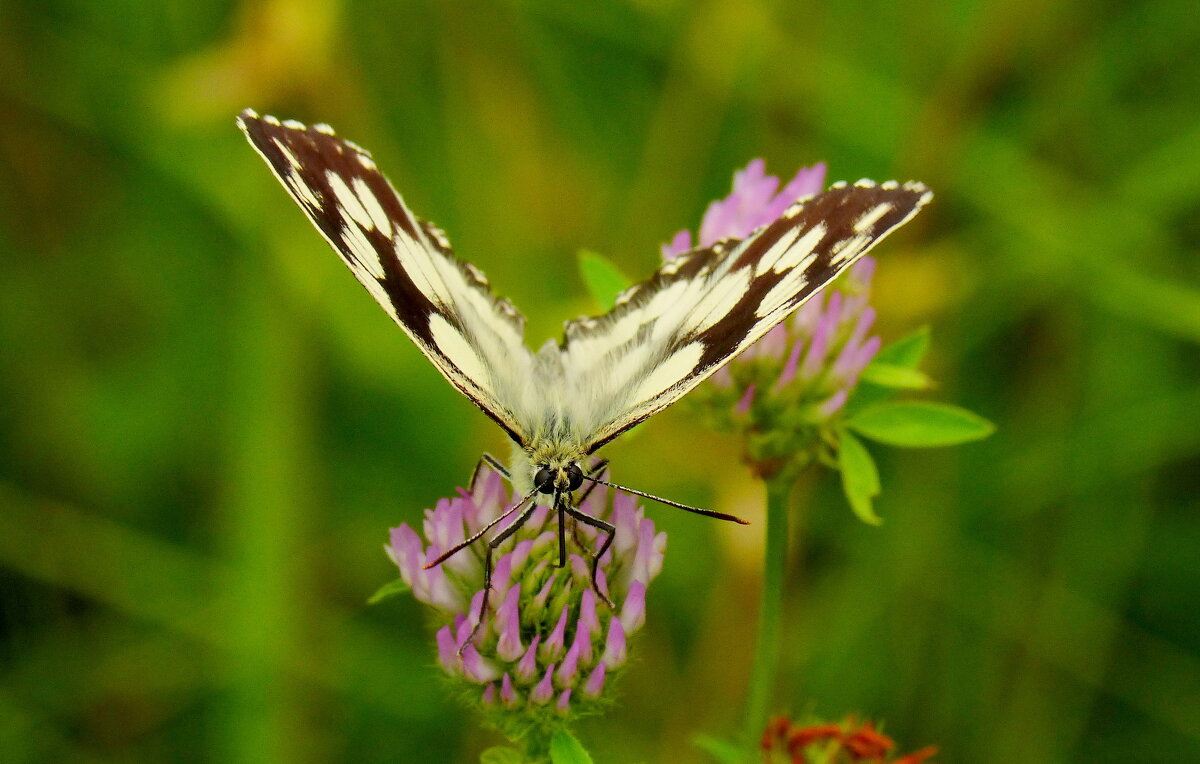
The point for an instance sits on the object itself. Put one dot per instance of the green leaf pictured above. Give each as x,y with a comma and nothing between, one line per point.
566,749
860,478
906,351
895,376
501,754
865,395
724,751
604,281
917,424
390,589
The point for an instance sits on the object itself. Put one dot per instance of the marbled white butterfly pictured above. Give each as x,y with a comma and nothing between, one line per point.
561,404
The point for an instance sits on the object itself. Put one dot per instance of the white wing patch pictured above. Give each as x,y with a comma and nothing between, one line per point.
372,207
365,257
287,154
454,346
803,248
871,217
670,370
351,207
717,303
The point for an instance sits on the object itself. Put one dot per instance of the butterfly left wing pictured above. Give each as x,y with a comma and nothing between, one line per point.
670,333
444,304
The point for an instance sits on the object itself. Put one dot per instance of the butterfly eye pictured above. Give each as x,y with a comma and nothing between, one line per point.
574,477
544,480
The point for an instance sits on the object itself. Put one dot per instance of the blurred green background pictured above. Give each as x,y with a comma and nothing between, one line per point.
207,427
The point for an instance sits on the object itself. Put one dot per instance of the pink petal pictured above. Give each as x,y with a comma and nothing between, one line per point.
581,646
833,404
552,648
773,343
578,567
808,181
822,336
462,629
862,272
448,652
489,499
789,367
502,576
406,551
588,622
654,562
681,243
474,610
642,559
508,624
508,694
625,518
520,555
527,667
595,683
569,670
544,689
615,647
602,579
805,319
539,599
633,610
477,668
865,354
722,377
743,406
442,594
844,365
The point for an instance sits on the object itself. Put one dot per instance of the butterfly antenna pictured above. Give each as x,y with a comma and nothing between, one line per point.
669,503
456,549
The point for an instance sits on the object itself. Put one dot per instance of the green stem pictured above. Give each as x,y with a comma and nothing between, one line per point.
770,614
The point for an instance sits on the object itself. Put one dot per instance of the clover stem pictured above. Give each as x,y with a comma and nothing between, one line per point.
767,647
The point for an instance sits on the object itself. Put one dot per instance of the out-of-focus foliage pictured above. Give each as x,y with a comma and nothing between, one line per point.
206,428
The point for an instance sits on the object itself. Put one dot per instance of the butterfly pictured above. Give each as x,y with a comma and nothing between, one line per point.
561,404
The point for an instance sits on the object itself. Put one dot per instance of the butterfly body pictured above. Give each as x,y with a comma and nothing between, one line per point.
664,336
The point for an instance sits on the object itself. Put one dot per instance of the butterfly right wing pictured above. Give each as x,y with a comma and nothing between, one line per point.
671,332
444,304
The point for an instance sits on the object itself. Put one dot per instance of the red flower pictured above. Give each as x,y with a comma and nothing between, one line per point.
866,744
918,757
843,743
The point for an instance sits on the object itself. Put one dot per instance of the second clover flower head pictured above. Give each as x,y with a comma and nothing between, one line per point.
548,644
785,392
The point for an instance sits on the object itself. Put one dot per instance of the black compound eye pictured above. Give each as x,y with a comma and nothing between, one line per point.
574,477
544,480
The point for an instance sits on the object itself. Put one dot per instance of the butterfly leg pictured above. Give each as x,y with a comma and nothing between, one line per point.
610,531
575,534
496,466
560,505
492,545
468,542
